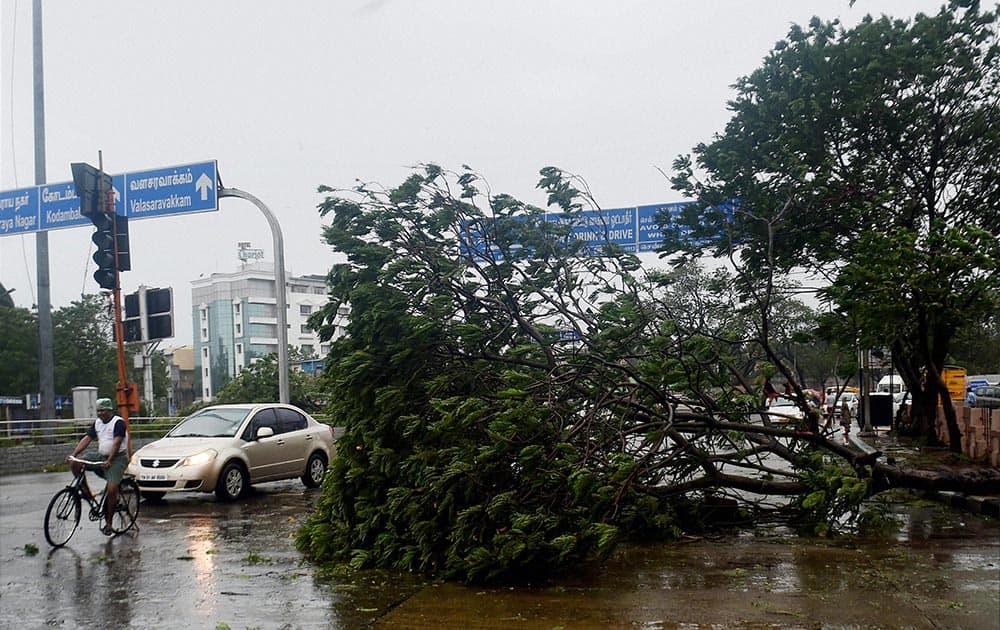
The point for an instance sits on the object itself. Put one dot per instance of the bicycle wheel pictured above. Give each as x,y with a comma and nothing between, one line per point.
127,509
62,517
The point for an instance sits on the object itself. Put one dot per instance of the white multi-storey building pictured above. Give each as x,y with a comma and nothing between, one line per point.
236,321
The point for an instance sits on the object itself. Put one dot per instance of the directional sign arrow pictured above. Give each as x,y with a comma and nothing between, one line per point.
203,185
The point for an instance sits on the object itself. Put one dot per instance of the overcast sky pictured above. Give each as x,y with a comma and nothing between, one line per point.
291,95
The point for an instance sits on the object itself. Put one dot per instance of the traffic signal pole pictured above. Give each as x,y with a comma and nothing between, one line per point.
123,390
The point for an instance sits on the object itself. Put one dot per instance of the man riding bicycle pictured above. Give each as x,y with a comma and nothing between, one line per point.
112,446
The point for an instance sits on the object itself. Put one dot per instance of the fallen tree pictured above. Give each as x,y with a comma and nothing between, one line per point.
513,404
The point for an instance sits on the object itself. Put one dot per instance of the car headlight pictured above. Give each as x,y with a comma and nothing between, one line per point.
135,459
199,459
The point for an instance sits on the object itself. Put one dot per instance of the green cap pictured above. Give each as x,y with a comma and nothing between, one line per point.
104,403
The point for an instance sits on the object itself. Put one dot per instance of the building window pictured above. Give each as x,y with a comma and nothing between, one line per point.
237,319
307,349
305,309
304,329
204,323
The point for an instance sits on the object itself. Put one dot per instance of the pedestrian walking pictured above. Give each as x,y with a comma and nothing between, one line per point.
845,420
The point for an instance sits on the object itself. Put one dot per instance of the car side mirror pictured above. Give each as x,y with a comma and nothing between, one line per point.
264,432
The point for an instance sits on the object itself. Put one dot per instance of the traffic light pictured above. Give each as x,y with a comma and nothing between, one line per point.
149,315
110,228
91,186
104,238
94,188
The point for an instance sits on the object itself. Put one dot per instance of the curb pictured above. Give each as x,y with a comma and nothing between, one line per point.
986,506
983,505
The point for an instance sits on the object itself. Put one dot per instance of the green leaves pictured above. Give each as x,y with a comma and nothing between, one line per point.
865,156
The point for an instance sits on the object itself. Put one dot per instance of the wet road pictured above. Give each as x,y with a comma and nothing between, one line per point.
194,563
198,563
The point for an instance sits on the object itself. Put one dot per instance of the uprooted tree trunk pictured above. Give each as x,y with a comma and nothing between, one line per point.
784,444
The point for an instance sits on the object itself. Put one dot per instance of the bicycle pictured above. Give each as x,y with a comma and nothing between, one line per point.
62,517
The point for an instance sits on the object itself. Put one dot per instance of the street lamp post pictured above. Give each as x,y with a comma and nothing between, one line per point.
279,286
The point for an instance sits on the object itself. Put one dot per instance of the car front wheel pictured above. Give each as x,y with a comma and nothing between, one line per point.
315,469
232,482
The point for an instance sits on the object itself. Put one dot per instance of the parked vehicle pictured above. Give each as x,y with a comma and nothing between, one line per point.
987,396
831,403
891,383
852,399
954,379
783,410
227,448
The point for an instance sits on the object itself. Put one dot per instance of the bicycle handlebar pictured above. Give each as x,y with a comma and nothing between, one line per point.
86,462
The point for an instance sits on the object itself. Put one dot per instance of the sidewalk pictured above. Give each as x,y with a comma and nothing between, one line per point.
893,448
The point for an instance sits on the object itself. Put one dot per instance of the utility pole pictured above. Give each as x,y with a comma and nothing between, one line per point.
46,380
866,429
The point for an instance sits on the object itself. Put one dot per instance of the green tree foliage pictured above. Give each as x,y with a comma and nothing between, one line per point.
977,348
84,352
869,156
18,351
83,348
259,383
479,445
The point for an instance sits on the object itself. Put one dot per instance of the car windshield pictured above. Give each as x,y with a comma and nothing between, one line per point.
781,401
211,422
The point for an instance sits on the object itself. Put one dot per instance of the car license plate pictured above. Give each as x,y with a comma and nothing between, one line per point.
152,477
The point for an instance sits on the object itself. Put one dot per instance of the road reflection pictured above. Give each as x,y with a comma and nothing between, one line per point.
92,590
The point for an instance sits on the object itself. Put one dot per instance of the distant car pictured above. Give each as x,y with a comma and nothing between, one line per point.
783,410
227,448
834,404
987,396
852,400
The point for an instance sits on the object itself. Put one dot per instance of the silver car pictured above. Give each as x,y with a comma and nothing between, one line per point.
227,448
783,410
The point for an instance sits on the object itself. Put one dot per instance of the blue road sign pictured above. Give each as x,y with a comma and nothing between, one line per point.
18,211
632,229
141,195
59,207
597,228
166,191
650,232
